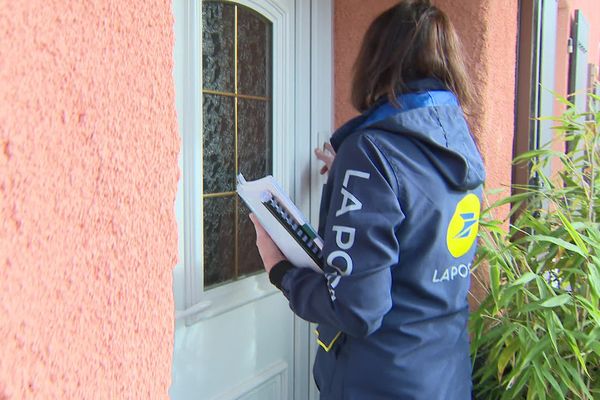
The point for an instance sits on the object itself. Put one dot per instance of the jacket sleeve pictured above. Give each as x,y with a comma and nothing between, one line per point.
360,245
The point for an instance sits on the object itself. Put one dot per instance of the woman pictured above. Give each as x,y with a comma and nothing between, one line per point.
399,219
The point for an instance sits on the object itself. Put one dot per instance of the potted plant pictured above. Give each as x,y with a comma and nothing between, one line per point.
536,335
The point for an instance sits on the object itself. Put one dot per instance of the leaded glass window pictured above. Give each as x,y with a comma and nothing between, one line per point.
236,132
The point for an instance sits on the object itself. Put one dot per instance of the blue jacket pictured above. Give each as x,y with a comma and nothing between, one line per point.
399,218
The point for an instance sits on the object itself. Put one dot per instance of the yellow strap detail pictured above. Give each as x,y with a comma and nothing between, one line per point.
323,345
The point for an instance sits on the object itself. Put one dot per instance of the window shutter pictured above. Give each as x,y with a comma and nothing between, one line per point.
578,79
547,64
578,68
547,75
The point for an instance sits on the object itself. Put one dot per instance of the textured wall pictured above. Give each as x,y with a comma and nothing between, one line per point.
88,175
351,18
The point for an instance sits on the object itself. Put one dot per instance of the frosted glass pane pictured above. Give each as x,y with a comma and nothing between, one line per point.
218,44
254,53
219,242
218,143
249,258
255,144
254,133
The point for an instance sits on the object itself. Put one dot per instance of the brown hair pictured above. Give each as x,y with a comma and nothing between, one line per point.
412,40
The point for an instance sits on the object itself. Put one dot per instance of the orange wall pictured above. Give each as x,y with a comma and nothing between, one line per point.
351,18
88,175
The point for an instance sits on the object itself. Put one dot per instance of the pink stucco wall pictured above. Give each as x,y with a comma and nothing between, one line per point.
488,29
351,18
88,176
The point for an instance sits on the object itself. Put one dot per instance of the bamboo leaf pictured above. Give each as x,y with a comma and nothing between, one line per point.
493,227
561,243
544,258
553,329
524,279
528,155
534,352
540,385
495,191
495,281
556,301
515,198
578,383
505,356
594,275
531,307
590,308
562,99
574,234
531,388
573,344
595,347
565,376
520,383
553,382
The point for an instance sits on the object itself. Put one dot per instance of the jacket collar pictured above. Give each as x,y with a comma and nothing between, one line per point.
416,86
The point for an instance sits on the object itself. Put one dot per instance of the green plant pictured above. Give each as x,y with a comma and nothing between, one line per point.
537,333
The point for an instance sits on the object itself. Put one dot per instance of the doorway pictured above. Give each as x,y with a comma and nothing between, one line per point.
246,103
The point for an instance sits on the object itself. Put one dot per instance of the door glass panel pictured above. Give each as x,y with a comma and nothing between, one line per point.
254,147
237,133
218,143
218,46
219,227
251,261
254,58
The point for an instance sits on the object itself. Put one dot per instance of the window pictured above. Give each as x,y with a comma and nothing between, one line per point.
236,133
579,82
536,81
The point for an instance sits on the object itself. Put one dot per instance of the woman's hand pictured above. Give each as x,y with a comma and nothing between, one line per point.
269,252
326,155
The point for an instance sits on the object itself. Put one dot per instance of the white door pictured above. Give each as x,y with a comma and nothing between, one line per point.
240,73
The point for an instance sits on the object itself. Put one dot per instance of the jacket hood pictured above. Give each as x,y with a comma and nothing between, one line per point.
432,117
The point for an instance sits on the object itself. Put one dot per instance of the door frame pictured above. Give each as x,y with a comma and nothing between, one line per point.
314,64
312,119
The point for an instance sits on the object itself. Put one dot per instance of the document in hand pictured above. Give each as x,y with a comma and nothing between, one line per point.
284,222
